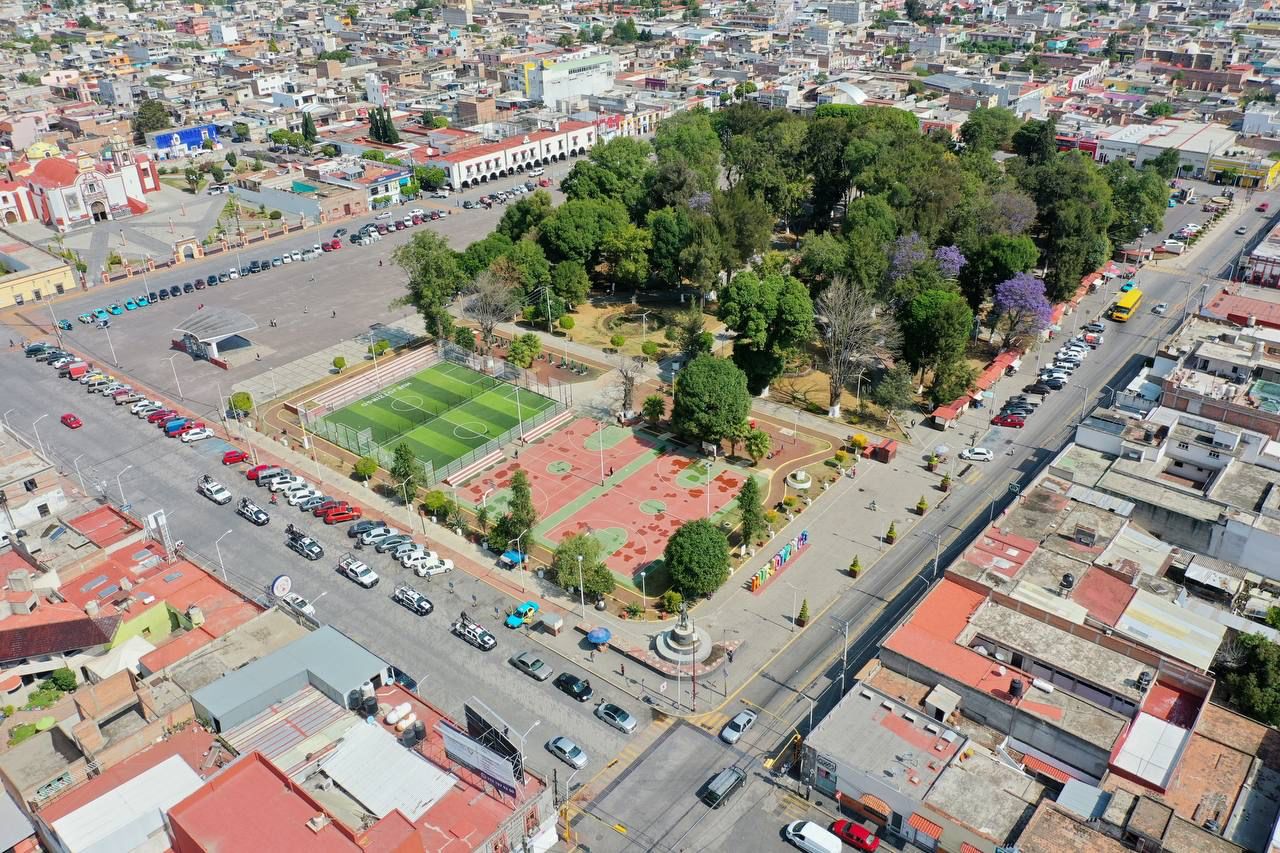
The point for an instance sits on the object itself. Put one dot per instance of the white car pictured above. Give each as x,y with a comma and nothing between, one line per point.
1160,308
383,215
142,404
296,602
417,211
977,454
301,496
296,255
568,752
279,484
286,258
417,557
316,248
426,570
197,434
233,273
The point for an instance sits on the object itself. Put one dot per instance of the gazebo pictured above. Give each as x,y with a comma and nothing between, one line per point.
204,330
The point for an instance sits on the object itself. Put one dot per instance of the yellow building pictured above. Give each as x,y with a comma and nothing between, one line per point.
1254,170
29,274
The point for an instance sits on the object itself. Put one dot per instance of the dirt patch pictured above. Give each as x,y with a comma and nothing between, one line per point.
595,325
811,393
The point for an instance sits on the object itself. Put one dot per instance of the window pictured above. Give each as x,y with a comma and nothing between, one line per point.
1213,454
29,485
43,509
35,295
58,288
1182,445
17,299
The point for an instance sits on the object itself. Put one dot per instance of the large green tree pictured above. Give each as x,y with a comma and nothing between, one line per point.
479,255
744,224
992,260
576,229
434,278
1252,682
624,256
406,470
1140,198
596,579
989,128
1075,212
1036,141
618,170
935,325
824,150
570,283
526,215
697,558
670,232
711,399
690,138
772,315
751,511
150,116
521,515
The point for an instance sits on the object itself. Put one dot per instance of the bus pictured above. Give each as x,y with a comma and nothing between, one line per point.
1126,305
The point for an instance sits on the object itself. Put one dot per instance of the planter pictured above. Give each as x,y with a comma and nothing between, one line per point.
932,465
890,538
945,485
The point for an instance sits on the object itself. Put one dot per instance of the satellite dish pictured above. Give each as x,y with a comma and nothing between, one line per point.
281,586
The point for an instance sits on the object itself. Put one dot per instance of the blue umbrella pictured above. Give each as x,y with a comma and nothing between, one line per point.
599,636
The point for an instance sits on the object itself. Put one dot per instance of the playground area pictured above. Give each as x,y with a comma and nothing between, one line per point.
443,413
627,489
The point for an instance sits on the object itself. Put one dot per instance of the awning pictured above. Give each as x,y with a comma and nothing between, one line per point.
924,826
1044,768
876,805
966,847
13,682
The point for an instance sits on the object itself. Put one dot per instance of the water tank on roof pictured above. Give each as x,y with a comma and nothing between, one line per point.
370,707
366,690
407,721
1015,688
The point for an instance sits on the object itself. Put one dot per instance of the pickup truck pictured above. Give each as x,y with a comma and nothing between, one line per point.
213,490
352,569
474,633
249,510
299,542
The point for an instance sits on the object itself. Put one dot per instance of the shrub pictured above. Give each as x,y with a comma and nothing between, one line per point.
771,516
634,611
841,457
790,501
366,467
617,341
339,363
274,215
435,502
650,349
804,612
858,442
670,601
566,322
922,505
893,531
63,679
654,407
241,402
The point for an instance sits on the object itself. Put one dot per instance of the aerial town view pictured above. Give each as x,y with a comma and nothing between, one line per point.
679,426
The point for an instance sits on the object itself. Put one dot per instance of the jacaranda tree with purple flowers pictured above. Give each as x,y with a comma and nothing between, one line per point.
1021,305
909,251
949,260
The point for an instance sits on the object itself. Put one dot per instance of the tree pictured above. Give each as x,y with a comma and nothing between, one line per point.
309,132
1254,684
1021,304
895,392
689,138
669,233
465,338
758,444
524,349
1140,198
1036,141
217,174
751,518
744,224
151,116
241,403
1166,163
63,679
569,283
526,215
353,14
624,256
521,515
430,177
823,257
493,300
630,369
691,335
575,230
192,175
618,170
710,399
339,363
697,558
654,408
935,328
231,159
1160,109
772,316
825,144
596,579
1075,212
992,260
478,256
365,467
206,145
406,470
527,265
434,278
989,128
856,330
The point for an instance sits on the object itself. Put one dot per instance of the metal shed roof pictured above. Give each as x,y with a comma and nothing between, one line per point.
125,817
216,324
372,766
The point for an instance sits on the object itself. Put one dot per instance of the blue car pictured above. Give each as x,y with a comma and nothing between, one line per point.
100,314
142,301
115,308
130,305
1126,287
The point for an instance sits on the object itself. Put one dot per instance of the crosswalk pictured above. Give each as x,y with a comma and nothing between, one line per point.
636,746
713,721
793,808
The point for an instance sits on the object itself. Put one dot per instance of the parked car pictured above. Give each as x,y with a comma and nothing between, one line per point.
1012,421
1160,308
213,490
340,515
532,665
412,600
738,726
234,457
249,510
856,835
298,541
977,454
198,434
70,421
614,716
474,633
296,602
567,751
352,569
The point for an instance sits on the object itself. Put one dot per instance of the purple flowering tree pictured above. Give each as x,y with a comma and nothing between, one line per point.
949,260
1021,305
1013,211
909,251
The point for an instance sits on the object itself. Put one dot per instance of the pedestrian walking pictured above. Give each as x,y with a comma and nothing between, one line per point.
10,343
333,314
305,309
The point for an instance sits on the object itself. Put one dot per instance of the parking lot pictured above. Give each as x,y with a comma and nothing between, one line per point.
117,454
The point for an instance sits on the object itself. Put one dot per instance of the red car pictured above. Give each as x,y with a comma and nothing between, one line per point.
855,835
233,457
336,244
187,427
253,472
544,182
338,516
328,507
1014,421
70,421
162,415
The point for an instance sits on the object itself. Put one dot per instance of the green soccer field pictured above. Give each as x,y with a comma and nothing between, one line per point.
442,413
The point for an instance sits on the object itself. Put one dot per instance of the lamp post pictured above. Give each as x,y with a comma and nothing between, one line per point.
520,565
844,651
6,418
111,346
600,447
795,614
83,487
644,599
484,499
175,373
582,596
37,432
221,564
57,330
120,485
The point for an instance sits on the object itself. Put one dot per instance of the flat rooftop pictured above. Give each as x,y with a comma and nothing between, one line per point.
1085,465
1052,830
1005,800
256,638
1245,486
1138,481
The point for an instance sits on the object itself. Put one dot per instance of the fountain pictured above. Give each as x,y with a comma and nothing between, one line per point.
799,479
685,643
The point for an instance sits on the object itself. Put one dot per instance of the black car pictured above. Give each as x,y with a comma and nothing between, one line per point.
164,294
199,284
1055,384
211,280
1017,409
245,272
360,527
152,296
265,263
1037,388
254,267
578,688
188,287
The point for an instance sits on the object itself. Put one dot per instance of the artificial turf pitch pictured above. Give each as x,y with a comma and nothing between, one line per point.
442,413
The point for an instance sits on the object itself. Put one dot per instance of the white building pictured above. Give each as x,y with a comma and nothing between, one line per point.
554,82
1262,119
848,13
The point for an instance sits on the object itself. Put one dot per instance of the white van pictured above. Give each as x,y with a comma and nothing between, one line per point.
536,172
440,193
811,838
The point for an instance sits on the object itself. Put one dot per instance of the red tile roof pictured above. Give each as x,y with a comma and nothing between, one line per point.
103,526
52,629
1035,765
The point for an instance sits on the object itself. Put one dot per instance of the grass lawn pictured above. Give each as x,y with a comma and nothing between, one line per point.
442,413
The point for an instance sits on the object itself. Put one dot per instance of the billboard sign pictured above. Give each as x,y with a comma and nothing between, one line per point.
493,768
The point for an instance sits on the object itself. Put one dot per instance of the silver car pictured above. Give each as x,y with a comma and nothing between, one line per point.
568,752
616,717
737,727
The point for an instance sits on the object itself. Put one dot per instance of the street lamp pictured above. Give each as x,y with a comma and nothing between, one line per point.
844,651
644,600
6,418
120,486
37,432
221,564
795,614
175,373
582,596
83,487
520,565
111,346
484,499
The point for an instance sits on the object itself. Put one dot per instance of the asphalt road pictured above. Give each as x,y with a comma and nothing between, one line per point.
119,455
